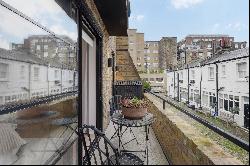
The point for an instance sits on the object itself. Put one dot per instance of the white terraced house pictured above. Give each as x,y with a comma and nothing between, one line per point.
224,77
24,76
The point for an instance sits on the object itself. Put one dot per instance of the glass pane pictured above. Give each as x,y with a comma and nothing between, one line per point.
38,82
226,105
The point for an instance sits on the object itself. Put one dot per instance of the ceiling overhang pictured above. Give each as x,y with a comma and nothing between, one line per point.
115,15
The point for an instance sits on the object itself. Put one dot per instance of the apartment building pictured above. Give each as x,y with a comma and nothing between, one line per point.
136,48
151,56
195,47
168,53
48,47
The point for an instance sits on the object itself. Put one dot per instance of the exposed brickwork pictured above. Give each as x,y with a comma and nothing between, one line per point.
168,53
126,70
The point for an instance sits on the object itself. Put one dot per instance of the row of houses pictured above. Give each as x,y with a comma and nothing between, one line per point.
219,85
24,76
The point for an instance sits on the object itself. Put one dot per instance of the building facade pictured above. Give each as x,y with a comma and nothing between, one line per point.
24,77
219,85
49,48
200,47
136,48
151,56
168,53
157,81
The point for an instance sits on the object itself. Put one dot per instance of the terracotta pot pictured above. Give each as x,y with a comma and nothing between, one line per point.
134,113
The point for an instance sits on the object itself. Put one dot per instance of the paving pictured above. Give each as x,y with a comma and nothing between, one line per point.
156,155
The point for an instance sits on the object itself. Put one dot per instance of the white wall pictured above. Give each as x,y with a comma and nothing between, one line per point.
230,84
22,85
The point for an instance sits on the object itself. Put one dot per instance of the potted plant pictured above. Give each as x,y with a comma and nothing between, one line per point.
146,86
134,108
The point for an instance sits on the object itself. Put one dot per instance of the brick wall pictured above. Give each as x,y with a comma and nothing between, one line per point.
126,70
168,53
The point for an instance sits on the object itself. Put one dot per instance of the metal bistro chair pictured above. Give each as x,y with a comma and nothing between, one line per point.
98,150
115,107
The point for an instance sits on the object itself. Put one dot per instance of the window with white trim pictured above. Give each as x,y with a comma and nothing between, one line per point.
211,73
36,73
22,72
192,75
242,70
4,71
38,47
223,70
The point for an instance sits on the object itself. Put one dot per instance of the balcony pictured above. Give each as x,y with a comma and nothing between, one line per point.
39,118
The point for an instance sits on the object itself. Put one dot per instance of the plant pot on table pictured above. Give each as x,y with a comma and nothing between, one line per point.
134,113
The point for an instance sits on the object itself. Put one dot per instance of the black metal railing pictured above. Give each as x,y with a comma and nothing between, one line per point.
241,143
10,108
129,89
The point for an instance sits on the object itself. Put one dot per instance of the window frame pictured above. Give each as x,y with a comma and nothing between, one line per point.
6,72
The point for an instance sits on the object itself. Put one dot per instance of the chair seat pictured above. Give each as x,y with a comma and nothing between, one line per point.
126,159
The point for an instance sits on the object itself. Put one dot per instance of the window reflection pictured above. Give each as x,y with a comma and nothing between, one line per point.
38,83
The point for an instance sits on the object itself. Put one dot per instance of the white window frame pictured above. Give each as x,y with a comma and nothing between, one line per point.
223,71
209,73
6,72
38,47
22,72
192,75
36,75
237,71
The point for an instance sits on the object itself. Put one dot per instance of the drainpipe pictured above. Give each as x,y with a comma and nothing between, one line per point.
48,78
178,89
29,81
174,85
61,80
188,83
201,88
217,90
113,74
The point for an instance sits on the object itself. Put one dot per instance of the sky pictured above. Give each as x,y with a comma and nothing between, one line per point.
155,18
170,18
15,29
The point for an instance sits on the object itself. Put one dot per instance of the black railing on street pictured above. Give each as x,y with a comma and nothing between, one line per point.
241,143
5,109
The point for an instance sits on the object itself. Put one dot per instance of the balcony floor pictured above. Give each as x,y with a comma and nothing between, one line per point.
156,155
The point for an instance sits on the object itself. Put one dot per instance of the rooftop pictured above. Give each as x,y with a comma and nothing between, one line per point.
207,35
25,56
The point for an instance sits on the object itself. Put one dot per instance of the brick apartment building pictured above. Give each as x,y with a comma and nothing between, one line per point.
151,56
196,47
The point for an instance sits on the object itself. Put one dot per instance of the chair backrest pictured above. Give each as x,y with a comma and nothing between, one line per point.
114,103
98,150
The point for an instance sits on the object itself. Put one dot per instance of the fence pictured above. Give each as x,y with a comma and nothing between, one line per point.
128,89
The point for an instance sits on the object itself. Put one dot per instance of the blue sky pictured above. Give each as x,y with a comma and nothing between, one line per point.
158,18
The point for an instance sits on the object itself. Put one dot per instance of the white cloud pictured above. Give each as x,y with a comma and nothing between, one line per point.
180,4
46,12
4,44
59,30
139,17
237,26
